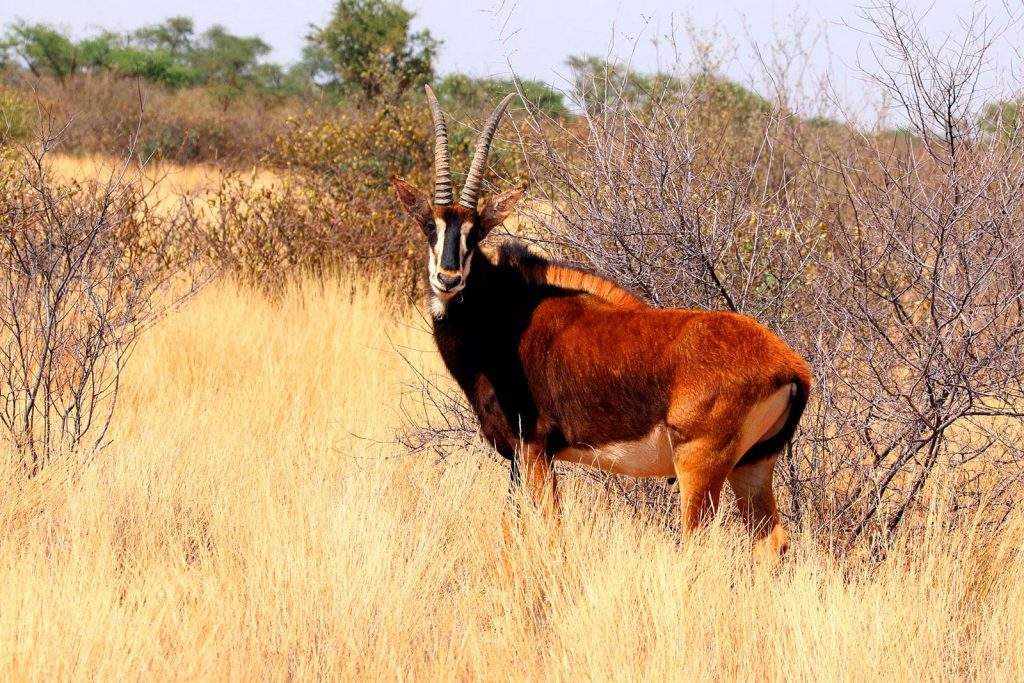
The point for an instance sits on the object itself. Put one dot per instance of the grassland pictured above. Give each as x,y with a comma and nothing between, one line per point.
250,521
165,182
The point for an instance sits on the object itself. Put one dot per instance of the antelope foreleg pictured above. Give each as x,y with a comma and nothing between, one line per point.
538,475
701,470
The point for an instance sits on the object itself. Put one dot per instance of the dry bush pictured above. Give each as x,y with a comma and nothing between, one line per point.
895,264
336,206
261,234
15,117
921,293
177,125
85,268
268,235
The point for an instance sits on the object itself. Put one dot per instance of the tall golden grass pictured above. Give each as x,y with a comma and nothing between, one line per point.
165,181
250,522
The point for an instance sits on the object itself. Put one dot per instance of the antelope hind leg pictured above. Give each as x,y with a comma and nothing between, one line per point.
753,487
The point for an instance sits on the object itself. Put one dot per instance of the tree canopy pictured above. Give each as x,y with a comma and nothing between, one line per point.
462,92
42,49
599,83
369,46
368,49
170,53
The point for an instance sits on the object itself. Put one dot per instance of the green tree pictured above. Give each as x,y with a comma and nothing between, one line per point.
95,53
128,57
462,92
174,36
6,56
598,83
155,66
43,49
304,74
221,57
370,47
169,53
228,62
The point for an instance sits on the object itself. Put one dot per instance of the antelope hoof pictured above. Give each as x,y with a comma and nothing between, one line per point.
772,547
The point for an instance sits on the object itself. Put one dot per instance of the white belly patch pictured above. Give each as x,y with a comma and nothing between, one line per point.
648,456
651,454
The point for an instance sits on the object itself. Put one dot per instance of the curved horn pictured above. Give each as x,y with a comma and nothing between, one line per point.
442,160
471,189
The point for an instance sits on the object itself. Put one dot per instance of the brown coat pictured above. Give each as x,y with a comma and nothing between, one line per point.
561,364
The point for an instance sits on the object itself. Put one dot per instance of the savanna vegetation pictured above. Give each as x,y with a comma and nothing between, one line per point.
229,450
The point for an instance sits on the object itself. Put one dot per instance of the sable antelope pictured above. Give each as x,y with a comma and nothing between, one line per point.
559,364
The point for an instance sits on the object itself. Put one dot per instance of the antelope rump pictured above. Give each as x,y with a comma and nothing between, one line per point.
560,364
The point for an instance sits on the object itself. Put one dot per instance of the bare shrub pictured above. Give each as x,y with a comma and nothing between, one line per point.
85,268
266,235
895,263
683,208
920,300
259,234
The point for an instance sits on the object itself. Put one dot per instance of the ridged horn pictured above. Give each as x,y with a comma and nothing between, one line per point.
471,189
442,158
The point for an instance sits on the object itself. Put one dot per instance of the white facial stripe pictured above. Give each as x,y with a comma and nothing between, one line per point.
439,300
464,249
438,247
435,249
467,227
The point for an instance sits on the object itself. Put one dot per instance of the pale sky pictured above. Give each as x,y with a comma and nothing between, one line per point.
533,37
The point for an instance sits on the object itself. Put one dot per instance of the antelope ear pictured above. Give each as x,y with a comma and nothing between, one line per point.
500,207
414,201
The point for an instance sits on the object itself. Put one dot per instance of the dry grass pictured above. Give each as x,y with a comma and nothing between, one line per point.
166,181
237,530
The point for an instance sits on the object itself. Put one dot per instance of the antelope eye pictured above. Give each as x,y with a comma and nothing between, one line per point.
431,230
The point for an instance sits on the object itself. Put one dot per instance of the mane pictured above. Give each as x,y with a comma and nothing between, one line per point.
540,271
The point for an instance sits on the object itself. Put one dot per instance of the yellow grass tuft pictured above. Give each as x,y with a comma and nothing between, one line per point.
245,525
166,182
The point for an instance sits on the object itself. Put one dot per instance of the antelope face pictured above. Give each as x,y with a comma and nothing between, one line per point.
451,238
452,233
453,230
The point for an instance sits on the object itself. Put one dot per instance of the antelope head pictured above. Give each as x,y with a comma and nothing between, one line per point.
453,230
